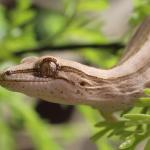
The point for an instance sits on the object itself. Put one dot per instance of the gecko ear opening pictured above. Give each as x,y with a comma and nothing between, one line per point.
29,59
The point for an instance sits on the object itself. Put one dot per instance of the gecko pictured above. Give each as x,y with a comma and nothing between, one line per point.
68,82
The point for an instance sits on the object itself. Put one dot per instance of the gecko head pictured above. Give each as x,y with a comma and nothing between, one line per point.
30,76
49,78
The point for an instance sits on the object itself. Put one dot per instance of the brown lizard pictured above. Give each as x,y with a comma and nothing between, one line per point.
67,82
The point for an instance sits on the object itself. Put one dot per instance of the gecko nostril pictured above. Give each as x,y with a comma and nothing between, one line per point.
2,75
7,73
82,83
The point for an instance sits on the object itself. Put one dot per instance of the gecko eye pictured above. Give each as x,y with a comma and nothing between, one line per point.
48,67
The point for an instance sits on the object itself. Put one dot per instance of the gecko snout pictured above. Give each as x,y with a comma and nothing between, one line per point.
4,74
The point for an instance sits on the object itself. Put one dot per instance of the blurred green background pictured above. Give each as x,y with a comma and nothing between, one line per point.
93,32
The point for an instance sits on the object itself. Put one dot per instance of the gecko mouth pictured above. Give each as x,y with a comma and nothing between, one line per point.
21,76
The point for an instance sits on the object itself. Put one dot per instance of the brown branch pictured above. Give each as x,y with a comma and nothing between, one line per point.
114,47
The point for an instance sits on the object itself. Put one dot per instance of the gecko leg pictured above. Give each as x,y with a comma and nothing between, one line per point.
109,117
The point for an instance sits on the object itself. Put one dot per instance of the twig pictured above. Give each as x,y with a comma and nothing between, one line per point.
114,47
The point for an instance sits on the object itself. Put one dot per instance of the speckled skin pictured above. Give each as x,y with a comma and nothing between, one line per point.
73,83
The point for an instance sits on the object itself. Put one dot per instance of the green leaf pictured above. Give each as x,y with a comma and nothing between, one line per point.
102,58
147,91
143,102
143,118
21,17
70,7
129,141
39,131
141,10
147,146
3,23
100,134
52,23
102,124
139,2
88,5
23,5
7,141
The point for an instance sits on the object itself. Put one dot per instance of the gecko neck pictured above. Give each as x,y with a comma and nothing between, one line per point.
133,64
